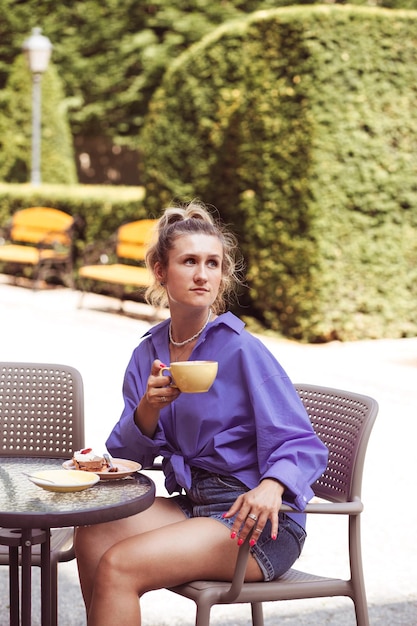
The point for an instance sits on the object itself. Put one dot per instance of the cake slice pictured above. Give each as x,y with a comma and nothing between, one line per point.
88,461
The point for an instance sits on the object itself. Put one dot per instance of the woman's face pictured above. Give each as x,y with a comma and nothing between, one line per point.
194,271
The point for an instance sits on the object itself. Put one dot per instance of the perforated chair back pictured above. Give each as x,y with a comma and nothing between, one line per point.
42,225
133,239
41,410
42,415
343,421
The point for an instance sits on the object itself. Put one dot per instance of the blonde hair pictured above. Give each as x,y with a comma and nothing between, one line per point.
189,219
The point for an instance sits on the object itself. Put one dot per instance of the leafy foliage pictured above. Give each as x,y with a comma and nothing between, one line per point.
111,55
299,125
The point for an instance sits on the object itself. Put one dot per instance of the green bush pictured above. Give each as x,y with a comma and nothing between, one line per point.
299,124
57,154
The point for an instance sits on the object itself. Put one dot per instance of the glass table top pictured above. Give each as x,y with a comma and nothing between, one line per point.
20,498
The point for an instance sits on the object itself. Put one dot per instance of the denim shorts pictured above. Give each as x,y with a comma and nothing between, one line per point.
211,495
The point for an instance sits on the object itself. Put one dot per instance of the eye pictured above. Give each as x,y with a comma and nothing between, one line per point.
213,263
189,261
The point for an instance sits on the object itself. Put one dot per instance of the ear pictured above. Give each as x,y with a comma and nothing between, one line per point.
159,272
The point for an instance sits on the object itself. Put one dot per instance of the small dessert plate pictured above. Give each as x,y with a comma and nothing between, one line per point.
125,468
63,481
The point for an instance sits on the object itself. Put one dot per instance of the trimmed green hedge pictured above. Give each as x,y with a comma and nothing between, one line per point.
300,125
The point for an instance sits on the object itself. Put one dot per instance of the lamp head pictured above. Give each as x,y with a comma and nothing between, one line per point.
37,49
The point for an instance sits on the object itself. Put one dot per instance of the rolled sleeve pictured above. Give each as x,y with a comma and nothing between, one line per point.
126,441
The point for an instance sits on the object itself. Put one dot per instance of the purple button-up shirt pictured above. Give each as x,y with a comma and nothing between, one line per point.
251,424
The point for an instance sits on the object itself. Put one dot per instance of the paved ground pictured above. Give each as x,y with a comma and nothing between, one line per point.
48,326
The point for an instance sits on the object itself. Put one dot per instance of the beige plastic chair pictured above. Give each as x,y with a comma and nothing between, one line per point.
132,241
41,238
343,421
53,396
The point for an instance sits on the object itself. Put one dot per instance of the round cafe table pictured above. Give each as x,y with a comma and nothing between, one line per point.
31,512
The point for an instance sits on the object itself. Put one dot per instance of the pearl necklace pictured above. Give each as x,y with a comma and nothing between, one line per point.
178,344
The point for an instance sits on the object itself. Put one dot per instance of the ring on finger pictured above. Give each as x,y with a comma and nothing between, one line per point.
258,530
252,516
161,399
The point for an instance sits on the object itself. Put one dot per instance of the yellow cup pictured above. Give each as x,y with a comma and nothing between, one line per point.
192,376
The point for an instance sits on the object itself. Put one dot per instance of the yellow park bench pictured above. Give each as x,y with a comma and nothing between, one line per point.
41,238
132,240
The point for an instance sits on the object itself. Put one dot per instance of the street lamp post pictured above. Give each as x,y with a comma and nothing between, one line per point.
37,49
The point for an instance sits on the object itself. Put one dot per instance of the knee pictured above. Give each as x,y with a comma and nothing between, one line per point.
108,577
113,568
110,563
117,572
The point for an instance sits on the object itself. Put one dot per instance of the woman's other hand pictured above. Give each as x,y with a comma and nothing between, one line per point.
254,509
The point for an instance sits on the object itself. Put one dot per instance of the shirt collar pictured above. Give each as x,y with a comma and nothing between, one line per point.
227,319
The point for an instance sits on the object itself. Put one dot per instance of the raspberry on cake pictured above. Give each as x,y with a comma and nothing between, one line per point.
88,461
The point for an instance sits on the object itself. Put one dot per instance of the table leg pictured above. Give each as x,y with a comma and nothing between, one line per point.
26,576
21,597
46,579
14,585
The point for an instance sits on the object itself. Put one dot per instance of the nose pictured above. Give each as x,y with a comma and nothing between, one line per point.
200,273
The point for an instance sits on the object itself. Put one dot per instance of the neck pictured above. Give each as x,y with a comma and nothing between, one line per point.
187,329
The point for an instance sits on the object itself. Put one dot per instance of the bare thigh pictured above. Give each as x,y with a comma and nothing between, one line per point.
196,548
101,537
92,542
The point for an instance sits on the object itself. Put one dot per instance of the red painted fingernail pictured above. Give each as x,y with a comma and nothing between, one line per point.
224,515
232,535
274,537
252,542
240,541
162,365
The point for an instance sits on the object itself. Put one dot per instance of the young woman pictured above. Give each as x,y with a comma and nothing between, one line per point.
231,455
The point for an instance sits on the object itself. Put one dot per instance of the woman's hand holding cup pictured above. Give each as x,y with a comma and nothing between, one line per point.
160,393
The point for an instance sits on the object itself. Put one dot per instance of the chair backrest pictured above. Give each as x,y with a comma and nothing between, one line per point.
343,420
45,225
133,239
41,410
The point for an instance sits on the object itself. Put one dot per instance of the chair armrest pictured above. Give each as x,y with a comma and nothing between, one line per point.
329,508
239,574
